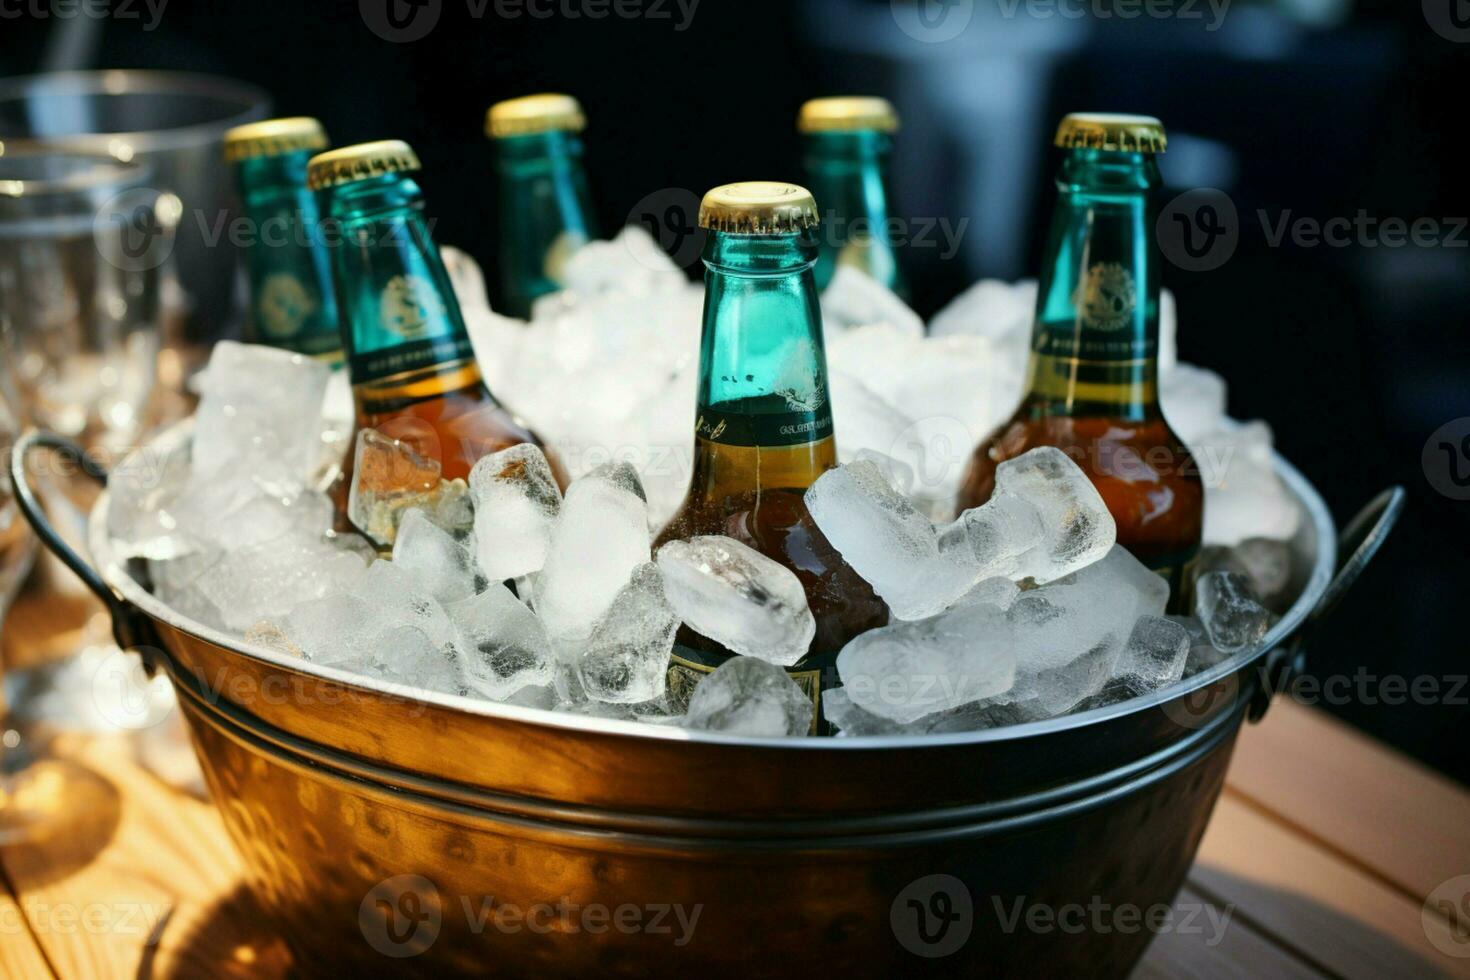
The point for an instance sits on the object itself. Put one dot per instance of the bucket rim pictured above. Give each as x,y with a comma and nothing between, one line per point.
240,102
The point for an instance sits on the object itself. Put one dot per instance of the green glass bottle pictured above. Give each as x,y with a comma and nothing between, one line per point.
1092,387
763,425
414,374
291,301
847,141
545,209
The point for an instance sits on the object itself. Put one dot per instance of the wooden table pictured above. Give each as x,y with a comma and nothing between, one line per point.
1322,850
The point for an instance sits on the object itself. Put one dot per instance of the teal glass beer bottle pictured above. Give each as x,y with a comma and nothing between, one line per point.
846,142
1092,387
414,374
545,209
763,425
291,301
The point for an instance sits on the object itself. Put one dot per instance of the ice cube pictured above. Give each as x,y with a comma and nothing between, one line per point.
441,564
992,308
465,277
1202,655
541,696
1154,655
399,598
1244,498
1068,636
233,509
631,263
1044,520
389,479
995,591
600,537
408,656
849,719
1046,693
906,670
385,628
887,541
627,658
337,420
260,410
896,473
736,596
1267,564
854,299
747,696
516,502
1233,619
1098,604
503,646
265,580
1193,400
143,491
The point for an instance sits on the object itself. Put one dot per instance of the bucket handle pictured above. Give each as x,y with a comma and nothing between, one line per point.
129,628
1359,541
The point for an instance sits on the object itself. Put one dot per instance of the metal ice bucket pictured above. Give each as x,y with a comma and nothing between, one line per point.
426,833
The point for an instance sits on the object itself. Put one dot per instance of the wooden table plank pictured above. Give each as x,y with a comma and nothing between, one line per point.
1306,899
1239,952
1356,796
124,884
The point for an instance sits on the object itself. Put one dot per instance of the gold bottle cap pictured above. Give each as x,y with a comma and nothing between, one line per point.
273,137
758,207
360,162
535,114
847,112
1111,131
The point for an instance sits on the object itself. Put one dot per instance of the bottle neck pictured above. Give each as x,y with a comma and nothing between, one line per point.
291,295
764,419
401,322
847,173
1094,345
545,213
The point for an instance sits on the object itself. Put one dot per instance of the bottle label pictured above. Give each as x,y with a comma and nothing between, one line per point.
414,331
687,667
1107,328
720,425
288,314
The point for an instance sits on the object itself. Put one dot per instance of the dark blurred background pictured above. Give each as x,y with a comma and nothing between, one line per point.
1356,352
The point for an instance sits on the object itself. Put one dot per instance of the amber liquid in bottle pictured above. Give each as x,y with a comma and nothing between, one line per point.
763,435
414,376
1093,374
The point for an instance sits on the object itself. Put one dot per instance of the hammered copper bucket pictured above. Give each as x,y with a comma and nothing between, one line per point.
385,829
